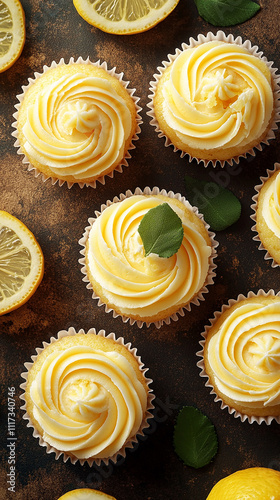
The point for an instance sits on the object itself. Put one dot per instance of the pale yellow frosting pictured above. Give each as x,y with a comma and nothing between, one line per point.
77,126
139,285
88,402
271,206
218,96
244,355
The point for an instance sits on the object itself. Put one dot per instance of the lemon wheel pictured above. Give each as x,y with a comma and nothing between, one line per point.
12,32
21,263
86,494
124,17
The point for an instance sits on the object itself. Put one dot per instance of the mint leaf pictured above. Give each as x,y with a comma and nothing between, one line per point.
226,12
161,231
195,438
219,206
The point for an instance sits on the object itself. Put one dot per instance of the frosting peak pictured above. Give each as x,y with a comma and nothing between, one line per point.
217,86
265,351
85,398
80,116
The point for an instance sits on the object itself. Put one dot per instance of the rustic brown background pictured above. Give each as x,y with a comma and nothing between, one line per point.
57,216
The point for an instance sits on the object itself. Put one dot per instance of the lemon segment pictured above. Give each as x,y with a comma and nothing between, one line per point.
86,494
21,263
12,32
122,17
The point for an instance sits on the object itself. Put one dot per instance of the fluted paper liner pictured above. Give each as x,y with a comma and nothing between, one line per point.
254,205
198,297
129,444
254,50
127,156
201,365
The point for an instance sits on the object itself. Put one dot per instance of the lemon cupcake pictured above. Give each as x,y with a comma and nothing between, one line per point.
86,396
146,288
241,356
76,122
216,99
266,215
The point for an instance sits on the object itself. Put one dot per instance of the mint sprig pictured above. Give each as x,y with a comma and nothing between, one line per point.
219,206
226,12
161,231
195,439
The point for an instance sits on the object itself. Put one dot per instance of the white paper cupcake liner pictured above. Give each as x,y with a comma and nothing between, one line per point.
201,364
263,179
254,50
127,445
198,297
102,178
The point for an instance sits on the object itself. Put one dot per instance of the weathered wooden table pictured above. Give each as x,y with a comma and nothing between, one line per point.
57,216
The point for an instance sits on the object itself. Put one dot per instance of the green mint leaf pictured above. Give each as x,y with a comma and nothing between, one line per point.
219,206
195,438
161,231
226,12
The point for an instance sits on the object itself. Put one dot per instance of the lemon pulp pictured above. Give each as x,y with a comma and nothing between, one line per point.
128,11
15,263
6,25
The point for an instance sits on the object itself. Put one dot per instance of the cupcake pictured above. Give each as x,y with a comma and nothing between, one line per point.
86,396
216,99
140,287
76,122
267,215
241,356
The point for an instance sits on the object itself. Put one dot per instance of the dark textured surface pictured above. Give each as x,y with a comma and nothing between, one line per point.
57,216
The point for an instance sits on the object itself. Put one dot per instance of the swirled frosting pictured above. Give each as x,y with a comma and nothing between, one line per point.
77,126
244,354
218,95
271,206
88,402
137,285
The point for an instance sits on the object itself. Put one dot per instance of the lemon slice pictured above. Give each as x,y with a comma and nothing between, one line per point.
21,263
86,494
12,32
124,17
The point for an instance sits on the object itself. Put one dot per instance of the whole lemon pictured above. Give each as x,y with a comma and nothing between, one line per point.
86,494
256,483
